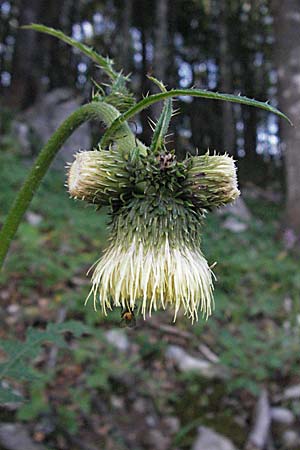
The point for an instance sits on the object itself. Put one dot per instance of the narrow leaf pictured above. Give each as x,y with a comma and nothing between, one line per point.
150,100
163,123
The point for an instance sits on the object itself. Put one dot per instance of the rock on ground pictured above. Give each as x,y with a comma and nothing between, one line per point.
291,392
208,439
40,121
14,436
237,216
234,225
238,209
186,363
282,415
118,339
290,440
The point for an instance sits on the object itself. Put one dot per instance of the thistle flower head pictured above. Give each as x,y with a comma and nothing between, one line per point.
211,181
98,177
154,260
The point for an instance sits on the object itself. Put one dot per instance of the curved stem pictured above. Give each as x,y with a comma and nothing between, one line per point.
147,101
94,110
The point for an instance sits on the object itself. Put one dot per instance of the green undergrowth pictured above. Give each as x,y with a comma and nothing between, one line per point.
254,329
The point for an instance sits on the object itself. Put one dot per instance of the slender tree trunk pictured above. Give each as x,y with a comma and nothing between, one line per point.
250,132
145,87
24,83
161,39
160,46
35,54
55,66
228,123
172,77
125,41
287,32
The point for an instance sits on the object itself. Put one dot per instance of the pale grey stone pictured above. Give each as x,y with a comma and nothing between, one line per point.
290,439
187,363
41,120
234,225
14,436
238,209
33,218
282,415
207,439
118,339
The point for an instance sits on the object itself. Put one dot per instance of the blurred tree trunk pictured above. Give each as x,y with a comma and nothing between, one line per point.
250,132
145,88
25,71
287,32
161,39
34,54
160,47
125,41
228,123
55,66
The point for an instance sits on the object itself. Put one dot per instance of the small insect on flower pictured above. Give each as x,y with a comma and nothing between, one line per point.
127,318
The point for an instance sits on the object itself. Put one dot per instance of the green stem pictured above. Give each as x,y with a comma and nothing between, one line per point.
94,110
105,63
147,101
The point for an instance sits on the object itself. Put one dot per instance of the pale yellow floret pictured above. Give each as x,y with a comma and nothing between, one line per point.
152,277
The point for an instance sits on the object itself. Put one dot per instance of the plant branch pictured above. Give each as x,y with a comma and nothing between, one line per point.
93,110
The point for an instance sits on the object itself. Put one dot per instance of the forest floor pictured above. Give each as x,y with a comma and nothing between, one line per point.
119,388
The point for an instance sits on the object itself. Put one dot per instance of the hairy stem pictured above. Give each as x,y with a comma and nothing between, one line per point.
93,110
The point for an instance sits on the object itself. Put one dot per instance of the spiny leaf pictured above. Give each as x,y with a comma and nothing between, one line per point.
18,371
106,64
19,352
163,122
151,99
72,326
7,395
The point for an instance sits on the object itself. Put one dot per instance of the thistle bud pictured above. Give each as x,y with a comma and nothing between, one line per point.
154,260
98,177
211,181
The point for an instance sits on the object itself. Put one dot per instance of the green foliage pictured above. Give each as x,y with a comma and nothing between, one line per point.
38,402
18,353
253,284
